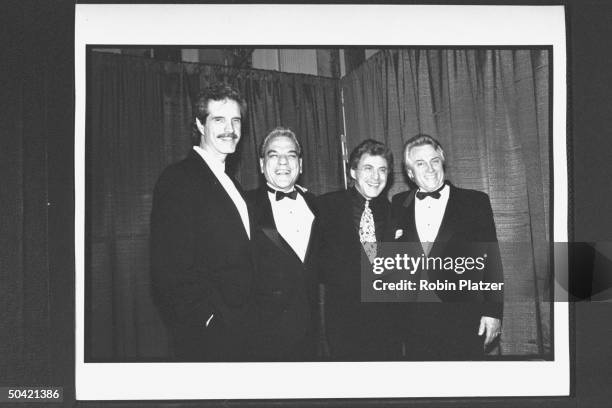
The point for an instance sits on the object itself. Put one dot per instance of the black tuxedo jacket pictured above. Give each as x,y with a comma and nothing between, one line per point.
201,263
467,230
285,288
355,330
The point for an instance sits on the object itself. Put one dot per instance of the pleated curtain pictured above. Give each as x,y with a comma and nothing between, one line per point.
490,110
139,121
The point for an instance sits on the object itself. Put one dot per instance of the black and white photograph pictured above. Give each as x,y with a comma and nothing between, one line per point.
305,205
234,193
149,297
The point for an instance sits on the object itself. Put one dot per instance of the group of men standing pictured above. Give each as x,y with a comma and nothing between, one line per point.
274,274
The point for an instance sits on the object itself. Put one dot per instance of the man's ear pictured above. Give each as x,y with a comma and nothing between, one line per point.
200,126
410,173
301,165
352,172
261,165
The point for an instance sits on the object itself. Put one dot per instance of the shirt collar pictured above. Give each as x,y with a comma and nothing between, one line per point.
214,163
275,189
360,200
444,191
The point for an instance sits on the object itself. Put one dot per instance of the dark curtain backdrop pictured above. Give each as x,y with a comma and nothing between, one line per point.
490,111
139,121
37,288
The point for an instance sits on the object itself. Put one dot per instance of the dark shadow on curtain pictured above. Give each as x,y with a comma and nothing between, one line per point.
490,110
139,114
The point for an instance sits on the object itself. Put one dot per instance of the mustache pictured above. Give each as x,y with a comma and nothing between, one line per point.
229,134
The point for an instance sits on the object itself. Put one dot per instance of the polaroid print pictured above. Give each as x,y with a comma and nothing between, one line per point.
488,82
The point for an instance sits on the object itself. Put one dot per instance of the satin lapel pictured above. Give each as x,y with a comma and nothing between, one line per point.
207,174
221,195
408,224
448,225
250,211
265,220
309,198
346,213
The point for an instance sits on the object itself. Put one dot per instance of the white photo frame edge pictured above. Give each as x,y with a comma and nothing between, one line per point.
394,25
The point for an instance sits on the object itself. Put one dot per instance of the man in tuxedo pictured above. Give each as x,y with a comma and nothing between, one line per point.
284,242
353,222
201,260
450,223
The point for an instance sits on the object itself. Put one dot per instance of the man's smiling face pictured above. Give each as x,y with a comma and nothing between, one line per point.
425,166
281,164
221,132
370,175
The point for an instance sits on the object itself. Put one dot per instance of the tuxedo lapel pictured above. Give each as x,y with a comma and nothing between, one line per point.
250,211
220,195
265,220
448,225
409,231
309,198
310,202
237,185
346,212
208,176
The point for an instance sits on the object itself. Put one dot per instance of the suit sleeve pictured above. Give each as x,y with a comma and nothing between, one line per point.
182,288
395,215
328,208
493,299
321,246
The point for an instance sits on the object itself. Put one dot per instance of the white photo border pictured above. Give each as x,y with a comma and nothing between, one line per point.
324,25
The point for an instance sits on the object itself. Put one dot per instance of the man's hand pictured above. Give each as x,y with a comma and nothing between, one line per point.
491,327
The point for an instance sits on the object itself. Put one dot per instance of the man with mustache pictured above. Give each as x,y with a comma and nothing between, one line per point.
284,241
450,323
201,261
353,223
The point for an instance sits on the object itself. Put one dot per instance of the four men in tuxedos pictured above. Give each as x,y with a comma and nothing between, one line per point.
353,221
455,223
201,257
237,282
285,246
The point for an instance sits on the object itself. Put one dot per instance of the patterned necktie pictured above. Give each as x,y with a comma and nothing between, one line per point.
367,232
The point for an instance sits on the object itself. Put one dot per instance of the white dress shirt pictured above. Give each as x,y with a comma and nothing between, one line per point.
293,221
428,214
218,169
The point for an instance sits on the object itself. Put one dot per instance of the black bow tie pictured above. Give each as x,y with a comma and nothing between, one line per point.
281,194
433,194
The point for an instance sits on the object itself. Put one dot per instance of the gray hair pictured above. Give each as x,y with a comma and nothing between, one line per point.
278,132
420,140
